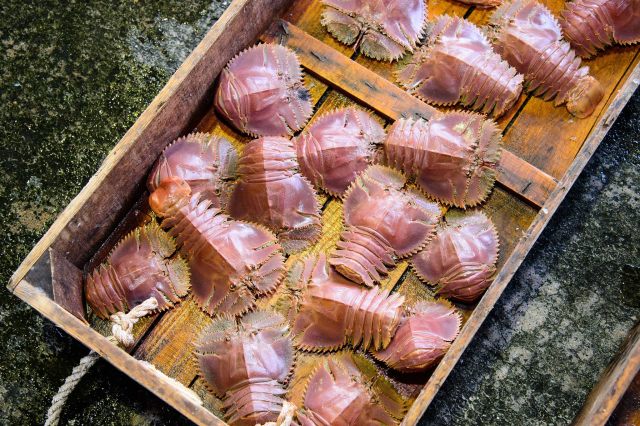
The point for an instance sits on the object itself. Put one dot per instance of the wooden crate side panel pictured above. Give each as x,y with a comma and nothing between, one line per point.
113,189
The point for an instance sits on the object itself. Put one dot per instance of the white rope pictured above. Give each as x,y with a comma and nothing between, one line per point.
122,330
286,415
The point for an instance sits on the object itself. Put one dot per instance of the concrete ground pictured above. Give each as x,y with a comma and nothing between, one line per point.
74,77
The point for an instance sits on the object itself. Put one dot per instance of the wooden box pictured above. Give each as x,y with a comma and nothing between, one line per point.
545,150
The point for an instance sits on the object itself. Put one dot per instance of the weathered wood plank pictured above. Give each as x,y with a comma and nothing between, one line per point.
393,102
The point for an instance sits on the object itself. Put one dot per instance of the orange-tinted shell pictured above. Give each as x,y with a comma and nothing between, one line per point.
247,363
528,36
139,267
453,156
261,92
592,25
381,29
461,258
231,262
207,163
458,65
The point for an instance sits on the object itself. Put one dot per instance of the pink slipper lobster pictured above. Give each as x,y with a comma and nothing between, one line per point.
461,259
270,191
247,363
592,25
207,163
337,147
458,65
422,338
328,311
383,222
231,262
381,29
261,92
339,393
453,156
528,36
141,266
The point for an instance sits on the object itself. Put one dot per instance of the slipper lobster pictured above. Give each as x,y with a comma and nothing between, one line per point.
141,266
207,163
382,222
271,192
340,393
247,363
337,147
329,311
453,156
592,25
261,92
461,258
458,65
231,262
528,36
381,29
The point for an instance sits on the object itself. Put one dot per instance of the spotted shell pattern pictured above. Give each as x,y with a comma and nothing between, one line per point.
382,222
231,262
380,29
592,25
528,36
139,267
337,147
207,163
461,259
247,363
457,64
453,156
270,191
422,338
261,92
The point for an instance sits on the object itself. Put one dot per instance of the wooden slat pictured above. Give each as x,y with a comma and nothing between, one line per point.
619,100
394,103
612,385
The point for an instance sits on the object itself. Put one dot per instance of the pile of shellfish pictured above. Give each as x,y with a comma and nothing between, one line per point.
235,224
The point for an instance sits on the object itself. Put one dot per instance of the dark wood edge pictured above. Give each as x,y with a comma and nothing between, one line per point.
175,87
524,245
67,285
613,383
514,173
158,384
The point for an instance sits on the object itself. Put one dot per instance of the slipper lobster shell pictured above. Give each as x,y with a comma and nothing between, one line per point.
528,36
247,363
338,393
337,147
261,92
461,258
423,337
458,65
231,262
334,311
382,222
592,25
139,267
207,163
271,192
453,156
381,29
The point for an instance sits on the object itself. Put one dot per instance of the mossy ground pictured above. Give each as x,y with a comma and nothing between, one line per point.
74,77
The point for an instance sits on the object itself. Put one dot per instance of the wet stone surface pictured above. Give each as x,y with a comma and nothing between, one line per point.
74,77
